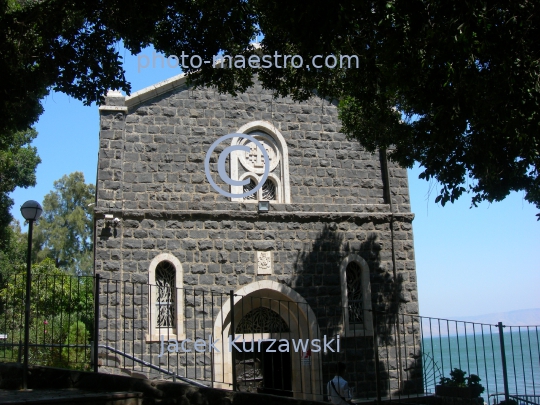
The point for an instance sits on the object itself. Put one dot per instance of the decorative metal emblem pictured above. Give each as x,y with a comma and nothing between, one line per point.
254,156
265,170
262,320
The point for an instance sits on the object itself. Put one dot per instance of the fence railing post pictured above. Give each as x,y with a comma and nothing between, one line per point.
503,358
376,354
212,371
96,322
19,354
233,353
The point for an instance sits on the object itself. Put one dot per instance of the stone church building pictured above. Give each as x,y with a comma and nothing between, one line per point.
332,255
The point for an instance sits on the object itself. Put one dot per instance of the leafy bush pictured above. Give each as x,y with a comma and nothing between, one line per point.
78,357
458,379
509,402
61,310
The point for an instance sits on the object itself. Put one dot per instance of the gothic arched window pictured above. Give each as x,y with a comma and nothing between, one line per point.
355,293
166,291
250,186
356,296
269,191
166,298
251,164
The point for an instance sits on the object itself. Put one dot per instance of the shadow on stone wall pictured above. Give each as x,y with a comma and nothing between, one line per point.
317,279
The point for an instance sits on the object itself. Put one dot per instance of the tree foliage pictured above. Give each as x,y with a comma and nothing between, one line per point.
77,335
18,162
53,291
61,313
59,45
64,232
71,46
13,251
451,85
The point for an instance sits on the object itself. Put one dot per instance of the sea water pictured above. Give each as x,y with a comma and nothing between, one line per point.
480,354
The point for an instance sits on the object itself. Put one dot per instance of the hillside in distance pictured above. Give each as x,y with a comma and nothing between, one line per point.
522,317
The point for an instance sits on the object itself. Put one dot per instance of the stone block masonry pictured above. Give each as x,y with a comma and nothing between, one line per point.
151,176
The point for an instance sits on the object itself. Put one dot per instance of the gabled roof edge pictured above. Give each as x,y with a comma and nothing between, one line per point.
155,90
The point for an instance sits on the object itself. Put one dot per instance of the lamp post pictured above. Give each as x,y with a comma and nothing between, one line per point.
31,211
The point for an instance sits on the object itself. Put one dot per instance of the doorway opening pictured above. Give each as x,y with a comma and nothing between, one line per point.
264,371
267,310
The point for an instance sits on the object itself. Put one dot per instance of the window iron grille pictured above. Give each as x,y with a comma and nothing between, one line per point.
166,288
355,294
248,187
262,320
269,191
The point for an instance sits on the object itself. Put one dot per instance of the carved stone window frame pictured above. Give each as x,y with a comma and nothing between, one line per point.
366,329
282,182
177,331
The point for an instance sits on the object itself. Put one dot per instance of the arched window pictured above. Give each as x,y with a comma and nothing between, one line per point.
166,291
250,186
166,298
251,165
269,191
356,296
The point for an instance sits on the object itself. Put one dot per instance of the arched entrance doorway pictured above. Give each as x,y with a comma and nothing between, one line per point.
260,365
269,310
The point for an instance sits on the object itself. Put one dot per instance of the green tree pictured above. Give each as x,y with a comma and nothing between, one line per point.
451,85
52,45
18,162
65,229
53,291
71,46
58,300
13,251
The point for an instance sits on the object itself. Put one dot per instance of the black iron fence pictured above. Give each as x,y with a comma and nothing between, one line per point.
265,340
506,358
61,324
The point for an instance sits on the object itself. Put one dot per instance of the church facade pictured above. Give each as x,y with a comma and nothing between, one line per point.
330,256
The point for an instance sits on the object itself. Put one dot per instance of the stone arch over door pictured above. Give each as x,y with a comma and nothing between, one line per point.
302,323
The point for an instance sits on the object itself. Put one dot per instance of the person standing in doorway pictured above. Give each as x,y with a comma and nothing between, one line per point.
338,388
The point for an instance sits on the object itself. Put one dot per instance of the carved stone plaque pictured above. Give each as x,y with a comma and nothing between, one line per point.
264,262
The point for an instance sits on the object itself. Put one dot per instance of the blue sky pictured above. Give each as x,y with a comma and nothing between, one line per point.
469,261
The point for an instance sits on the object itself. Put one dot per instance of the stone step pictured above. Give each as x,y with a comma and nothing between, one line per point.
69,396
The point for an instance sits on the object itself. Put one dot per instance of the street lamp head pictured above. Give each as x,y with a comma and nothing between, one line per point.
31,210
